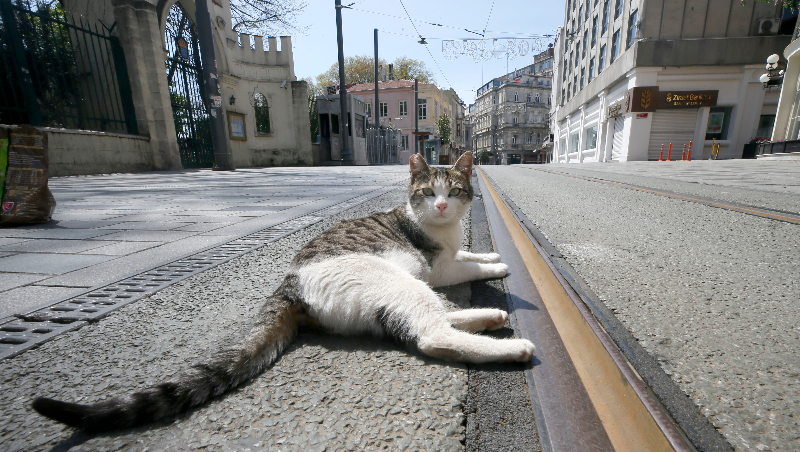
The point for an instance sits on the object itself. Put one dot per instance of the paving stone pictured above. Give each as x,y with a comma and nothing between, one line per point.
49,264
24,298
52,246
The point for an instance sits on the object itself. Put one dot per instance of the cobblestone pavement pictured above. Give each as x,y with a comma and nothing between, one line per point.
109,227
712,294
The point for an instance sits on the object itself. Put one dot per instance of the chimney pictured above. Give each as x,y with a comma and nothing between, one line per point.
391,71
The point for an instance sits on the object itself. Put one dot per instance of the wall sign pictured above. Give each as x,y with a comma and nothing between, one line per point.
236,128
651,98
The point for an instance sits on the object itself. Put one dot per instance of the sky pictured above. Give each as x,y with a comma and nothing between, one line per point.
315,50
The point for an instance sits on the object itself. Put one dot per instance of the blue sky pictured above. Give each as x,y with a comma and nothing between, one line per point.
315,51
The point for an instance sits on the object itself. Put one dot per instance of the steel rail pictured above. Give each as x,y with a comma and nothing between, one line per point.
750,210
587,394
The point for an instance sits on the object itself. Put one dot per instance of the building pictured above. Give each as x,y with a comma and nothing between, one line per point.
330,129
397,109
785,134
633,75
510,112
135,101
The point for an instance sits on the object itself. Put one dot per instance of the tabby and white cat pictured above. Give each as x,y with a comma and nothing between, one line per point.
367,276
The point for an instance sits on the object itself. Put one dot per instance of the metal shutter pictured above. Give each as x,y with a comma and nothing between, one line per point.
671,126
616,146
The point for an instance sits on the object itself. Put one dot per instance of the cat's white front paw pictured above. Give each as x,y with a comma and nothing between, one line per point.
491,258
496,321
495,270
526,350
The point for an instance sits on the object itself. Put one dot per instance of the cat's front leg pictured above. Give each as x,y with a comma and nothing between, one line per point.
474,320
447,273
487,258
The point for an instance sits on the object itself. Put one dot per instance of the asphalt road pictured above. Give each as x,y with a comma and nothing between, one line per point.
712,294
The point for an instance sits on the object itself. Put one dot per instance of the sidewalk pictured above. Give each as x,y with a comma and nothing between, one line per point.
110,227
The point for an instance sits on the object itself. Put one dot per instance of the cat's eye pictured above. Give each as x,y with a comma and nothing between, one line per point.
427,192
455,192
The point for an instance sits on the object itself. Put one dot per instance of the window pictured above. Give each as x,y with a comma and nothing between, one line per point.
583,76
538,138
570,61
335,124
575,85
368,108
404,142
580,14
605,17
594,31
577,54
516,96
530,138
631,29
384,110
403,108
528,99
564,71
537,98
514,140
591,138
435,109
585,42
617,8
515,120
765,125
719,119
422,109
574,143
615,45
588,9
262,114
591,69
602,57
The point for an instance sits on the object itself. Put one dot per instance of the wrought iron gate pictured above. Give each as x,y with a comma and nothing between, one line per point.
185,78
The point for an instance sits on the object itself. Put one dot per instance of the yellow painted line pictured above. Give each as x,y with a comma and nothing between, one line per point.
627,421
760,213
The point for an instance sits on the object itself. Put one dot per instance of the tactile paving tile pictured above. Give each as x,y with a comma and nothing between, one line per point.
32,329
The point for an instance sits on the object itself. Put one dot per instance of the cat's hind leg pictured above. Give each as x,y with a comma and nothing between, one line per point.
474,320
449,343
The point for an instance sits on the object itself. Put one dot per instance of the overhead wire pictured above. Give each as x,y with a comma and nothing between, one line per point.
422,40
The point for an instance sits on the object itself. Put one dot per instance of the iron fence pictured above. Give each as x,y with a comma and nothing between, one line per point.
383,145
61,73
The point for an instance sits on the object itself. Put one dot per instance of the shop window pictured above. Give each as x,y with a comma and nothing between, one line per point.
262,114
574,143
765,125
591,138
719,119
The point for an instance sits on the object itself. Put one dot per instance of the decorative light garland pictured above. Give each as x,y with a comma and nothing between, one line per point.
483,50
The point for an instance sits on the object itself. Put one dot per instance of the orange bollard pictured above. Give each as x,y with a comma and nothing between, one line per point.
661,155
683,156
689,157
669,153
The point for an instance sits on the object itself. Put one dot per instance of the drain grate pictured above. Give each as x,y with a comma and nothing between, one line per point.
40,326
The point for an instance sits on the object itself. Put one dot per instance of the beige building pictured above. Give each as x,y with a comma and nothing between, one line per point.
397,109
510,114
631,76
264,105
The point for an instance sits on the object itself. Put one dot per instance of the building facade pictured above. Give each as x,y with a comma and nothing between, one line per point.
631,76
510,114
397,109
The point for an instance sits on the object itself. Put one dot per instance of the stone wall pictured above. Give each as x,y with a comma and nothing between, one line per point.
77,152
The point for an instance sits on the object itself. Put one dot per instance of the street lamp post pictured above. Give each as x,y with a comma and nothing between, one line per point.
347,155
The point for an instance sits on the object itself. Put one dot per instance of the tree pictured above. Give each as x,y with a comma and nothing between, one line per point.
266,17
313,118
444,127
361,69
408,68
483,157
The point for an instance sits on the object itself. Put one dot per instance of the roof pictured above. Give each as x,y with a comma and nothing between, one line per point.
389,84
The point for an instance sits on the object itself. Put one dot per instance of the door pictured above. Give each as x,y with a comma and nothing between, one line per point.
185,78
671,126
616,144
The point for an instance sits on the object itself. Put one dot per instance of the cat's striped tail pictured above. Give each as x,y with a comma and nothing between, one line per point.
276,327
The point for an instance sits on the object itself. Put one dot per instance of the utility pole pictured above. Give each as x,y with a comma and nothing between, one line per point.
377,101
416,115
222,150
347,155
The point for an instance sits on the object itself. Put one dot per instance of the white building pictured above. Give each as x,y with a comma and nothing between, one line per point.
633,75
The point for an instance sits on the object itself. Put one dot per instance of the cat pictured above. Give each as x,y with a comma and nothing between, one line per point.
369,276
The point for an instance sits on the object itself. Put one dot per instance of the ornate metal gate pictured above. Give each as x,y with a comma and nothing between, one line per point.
185,77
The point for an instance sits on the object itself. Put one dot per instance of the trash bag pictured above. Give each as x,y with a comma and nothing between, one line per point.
25,197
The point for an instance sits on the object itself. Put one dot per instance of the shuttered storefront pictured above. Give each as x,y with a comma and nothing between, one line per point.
671,126
616,145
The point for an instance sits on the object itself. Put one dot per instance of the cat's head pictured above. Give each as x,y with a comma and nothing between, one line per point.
440,196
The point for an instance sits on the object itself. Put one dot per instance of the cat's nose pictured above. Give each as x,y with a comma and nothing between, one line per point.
441,207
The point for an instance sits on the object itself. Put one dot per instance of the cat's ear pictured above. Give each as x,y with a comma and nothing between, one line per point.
418,165
464,165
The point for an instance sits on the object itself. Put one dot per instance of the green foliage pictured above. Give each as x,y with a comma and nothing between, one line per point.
313,118
361,69
483,157
785,3
445,129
